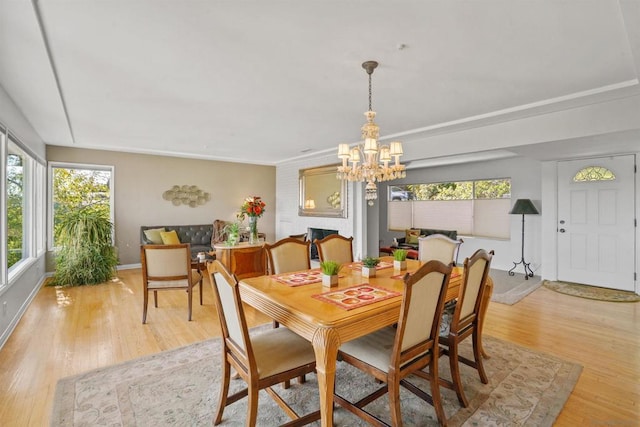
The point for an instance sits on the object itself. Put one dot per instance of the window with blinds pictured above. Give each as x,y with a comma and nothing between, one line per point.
472,208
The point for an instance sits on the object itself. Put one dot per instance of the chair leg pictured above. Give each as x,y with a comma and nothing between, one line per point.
486,298
224,390
155,298
144,306
435,392
477,354
394,402
455,373
190,296
252,405
200,282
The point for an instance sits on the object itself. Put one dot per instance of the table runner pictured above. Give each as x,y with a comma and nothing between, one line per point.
356,296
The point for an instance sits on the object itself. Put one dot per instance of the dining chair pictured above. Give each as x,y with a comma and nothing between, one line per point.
336,248
466,319
248,262
438,247
261,360
302,237
168,267
391,354
287,255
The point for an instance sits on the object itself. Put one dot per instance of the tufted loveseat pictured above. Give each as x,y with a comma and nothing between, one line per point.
199,236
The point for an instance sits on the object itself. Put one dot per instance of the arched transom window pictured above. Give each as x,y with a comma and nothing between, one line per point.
594,173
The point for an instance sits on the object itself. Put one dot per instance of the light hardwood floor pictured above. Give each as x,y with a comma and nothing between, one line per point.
67,331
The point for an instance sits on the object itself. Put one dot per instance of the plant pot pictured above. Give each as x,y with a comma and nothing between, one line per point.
329,280
368,271
400,265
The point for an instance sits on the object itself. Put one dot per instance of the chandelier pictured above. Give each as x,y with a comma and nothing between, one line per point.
369,161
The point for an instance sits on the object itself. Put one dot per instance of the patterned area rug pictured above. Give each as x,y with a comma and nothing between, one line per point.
592,292
180,388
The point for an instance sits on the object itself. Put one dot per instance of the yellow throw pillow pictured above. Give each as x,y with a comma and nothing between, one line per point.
153,235
411,236
170,237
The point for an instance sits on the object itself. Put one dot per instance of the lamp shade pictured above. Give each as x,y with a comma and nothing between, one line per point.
524,207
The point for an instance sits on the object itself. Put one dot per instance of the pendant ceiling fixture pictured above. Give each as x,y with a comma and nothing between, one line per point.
368,160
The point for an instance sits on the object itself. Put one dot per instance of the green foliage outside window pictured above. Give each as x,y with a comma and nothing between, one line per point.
15,208
461,190
75,189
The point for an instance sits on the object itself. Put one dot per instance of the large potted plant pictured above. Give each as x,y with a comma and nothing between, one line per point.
86,255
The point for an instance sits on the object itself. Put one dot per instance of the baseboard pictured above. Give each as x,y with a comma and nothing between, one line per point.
23,308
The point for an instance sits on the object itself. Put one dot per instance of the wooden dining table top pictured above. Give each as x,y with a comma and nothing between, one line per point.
300,299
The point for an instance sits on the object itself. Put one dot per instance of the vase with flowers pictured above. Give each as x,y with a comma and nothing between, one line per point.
253,207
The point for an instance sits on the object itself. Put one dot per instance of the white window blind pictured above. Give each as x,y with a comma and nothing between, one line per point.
491,218
444,214
399,215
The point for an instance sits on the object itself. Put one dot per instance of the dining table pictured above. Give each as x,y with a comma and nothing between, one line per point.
330,316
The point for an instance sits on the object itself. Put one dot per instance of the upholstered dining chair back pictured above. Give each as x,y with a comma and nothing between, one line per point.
476,270
438,247
167,267
422,305
392,354
336,248
262,360
289,254
230,313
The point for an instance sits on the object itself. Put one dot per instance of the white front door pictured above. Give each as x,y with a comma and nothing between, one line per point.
596,229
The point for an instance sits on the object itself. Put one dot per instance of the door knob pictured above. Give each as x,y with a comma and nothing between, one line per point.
562,230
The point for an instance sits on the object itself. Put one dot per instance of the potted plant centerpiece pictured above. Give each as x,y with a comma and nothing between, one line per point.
369,266
232,231
330,271
400,259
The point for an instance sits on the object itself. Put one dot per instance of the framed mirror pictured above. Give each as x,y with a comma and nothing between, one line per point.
321,193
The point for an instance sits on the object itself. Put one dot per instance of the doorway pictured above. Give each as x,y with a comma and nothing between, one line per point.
596,222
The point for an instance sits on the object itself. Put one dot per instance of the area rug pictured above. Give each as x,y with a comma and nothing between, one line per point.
511,289
592,292
180,388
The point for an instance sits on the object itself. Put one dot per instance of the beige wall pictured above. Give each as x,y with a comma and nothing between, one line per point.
141,179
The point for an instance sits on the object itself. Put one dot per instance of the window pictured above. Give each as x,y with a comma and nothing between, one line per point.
594,173
16,185
21,207
473,208
76,186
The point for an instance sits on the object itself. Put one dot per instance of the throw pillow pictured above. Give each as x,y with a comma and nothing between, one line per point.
411,236
153,235
170,237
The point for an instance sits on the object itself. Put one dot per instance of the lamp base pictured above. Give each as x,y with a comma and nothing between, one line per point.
527,270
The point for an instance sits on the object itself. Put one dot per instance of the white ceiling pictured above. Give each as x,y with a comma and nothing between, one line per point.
265,81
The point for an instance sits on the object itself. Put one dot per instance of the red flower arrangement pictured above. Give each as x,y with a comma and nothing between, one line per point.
252,207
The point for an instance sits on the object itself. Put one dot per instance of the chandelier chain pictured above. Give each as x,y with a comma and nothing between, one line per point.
370,109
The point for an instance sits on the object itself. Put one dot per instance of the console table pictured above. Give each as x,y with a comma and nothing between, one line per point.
244,259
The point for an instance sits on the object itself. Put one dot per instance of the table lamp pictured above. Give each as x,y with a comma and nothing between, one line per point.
523,207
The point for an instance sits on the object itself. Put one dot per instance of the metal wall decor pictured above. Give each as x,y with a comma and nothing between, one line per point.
189,195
